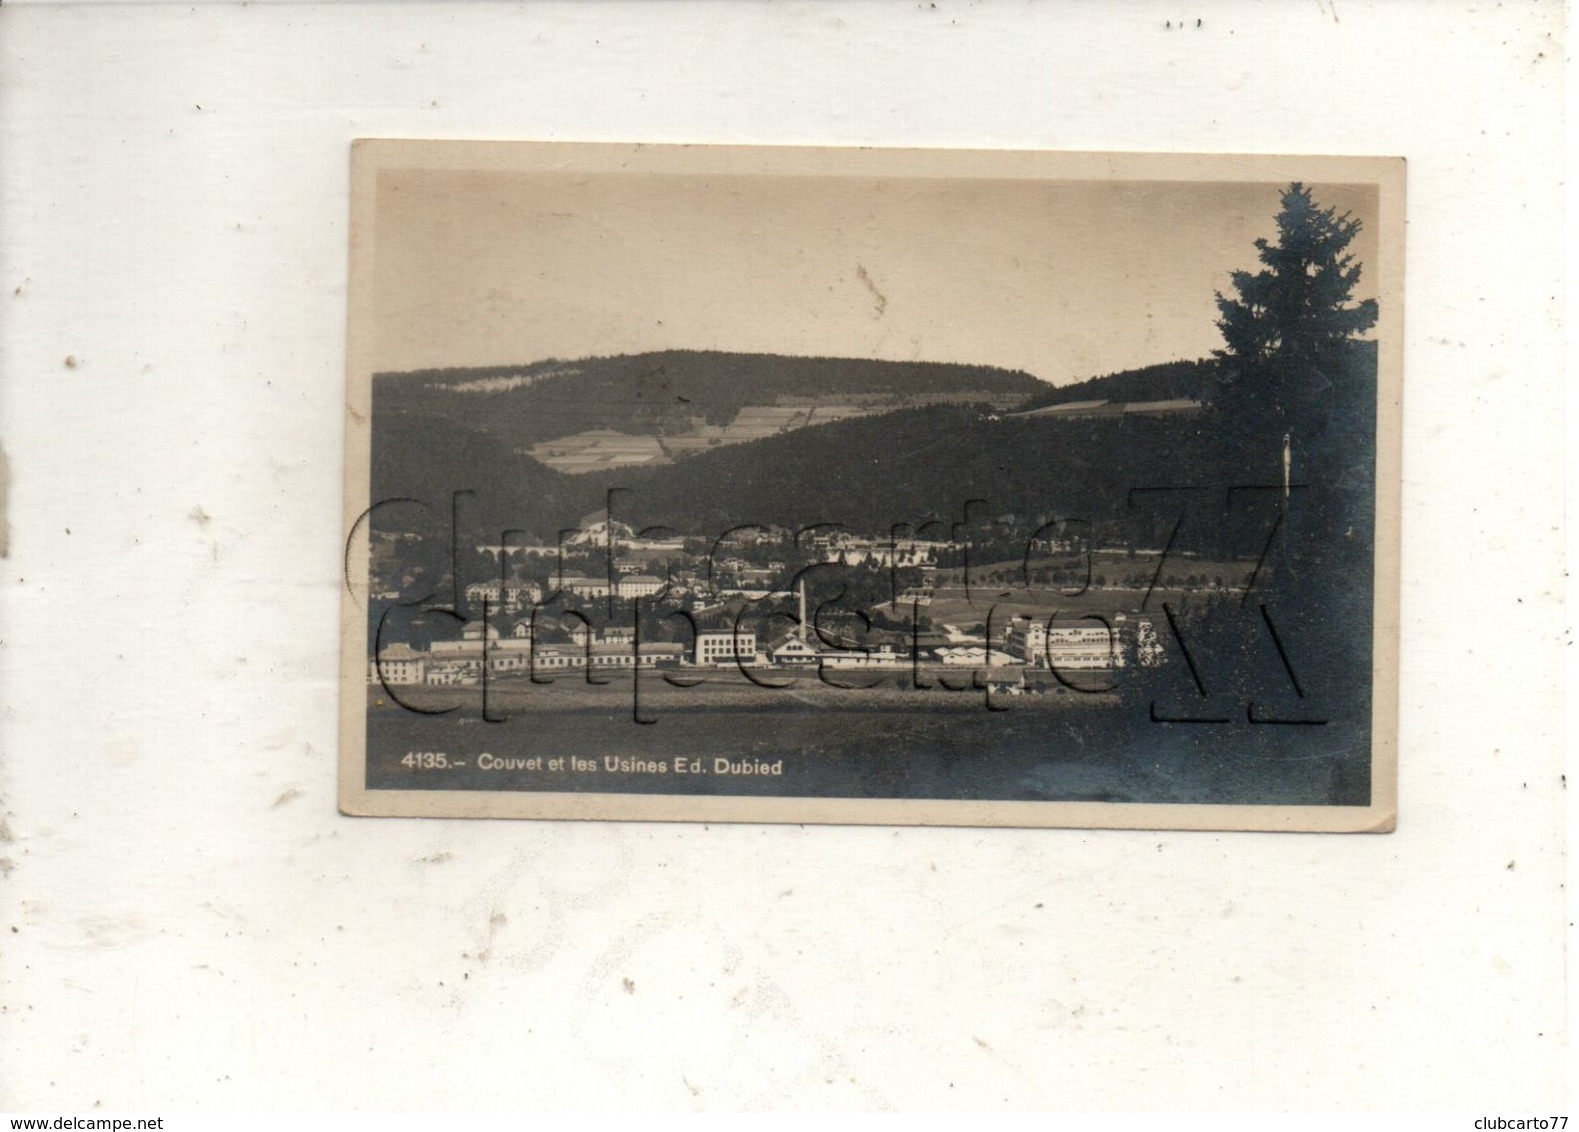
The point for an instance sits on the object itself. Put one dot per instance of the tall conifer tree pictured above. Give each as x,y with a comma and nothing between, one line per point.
1286,328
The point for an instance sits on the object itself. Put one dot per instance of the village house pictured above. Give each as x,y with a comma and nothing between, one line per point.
794,649
1002,681
532,549
460,661
1065,645
638,585
976,655
727,647
511,595
446,672
469,645
791,651
883,656
397,664
660,654
583,586
511,654
880,554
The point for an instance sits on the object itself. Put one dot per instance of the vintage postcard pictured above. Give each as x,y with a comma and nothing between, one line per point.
880,486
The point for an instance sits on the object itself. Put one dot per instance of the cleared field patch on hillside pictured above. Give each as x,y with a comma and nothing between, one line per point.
604,449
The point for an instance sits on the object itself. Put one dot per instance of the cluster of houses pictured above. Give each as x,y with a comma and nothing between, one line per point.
728,573
625,587
1029,644
514,595
461,661
735,570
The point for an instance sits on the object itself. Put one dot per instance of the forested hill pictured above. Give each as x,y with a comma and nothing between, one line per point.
918,464
659,394
905,464
1167,381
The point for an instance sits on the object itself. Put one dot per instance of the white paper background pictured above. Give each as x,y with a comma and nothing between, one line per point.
186,921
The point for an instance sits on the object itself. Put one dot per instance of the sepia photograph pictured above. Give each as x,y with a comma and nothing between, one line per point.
912,487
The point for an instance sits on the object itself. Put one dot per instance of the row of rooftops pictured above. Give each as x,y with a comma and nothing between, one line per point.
401,664
462,649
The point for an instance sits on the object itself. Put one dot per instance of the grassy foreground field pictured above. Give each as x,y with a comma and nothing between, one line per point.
815,741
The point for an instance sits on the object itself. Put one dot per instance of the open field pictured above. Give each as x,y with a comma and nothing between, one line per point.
944,689
950,605
826,742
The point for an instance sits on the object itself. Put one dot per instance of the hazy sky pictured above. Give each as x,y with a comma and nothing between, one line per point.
1062,279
